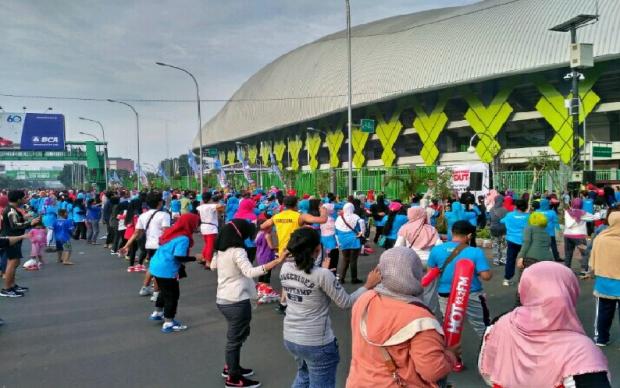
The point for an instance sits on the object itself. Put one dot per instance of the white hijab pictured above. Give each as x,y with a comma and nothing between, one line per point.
348,215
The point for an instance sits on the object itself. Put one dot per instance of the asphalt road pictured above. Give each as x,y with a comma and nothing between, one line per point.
86,326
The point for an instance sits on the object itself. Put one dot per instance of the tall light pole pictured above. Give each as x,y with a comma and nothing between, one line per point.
105,148
349,113
137,135
199,117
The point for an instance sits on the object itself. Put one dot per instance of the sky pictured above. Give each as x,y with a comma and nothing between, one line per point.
108,49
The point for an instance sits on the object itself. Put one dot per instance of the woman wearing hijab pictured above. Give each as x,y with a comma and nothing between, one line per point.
392,323
542,343
417,234
231,207
308,335
349,228
328,232
575,233
235,289
246,211
509,203
393,221
604,261
167,268
378,210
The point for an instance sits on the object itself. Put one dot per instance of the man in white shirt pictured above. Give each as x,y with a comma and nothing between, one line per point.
151,225
209,211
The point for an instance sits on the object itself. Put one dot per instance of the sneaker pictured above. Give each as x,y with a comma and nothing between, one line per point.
242,382
507,283
458,367
155,296
132,268
11,293
169,327
157,316
140,268
145,291
20,288
601,343
244,372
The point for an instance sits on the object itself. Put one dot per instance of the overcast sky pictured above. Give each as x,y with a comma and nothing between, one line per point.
108,49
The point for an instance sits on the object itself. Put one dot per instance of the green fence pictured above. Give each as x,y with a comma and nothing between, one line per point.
391,181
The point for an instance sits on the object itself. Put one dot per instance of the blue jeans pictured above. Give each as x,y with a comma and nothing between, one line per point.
316,365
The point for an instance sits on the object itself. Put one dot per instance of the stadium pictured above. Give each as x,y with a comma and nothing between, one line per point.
431,80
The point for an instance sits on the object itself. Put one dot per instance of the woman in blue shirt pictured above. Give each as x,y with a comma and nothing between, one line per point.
515,222
50,214
396,217
167,267
93,215
79,218
458,213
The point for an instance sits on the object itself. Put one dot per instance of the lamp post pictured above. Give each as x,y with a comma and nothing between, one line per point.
105,148
349,113
571,26
199,117
137,135
471,149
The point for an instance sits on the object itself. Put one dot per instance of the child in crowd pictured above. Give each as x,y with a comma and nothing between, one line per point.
38,241
63,229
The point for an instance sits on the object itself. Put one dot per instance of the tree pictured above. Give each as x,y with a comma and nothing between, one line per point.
544,165
412,181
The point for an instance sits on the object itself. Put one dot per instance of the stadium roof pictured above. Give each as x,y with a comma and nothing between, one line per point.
409,54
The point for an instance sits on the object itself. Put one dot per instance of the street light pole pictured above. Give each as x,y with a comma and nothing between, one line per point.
199,118
349,113
105,149
137,135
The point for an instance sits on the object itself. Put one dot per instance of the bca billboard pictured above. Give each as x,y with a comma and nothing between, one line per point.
32,131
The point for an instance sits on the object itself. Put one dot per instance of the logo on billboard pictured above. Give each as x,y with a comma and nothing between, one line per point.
13,119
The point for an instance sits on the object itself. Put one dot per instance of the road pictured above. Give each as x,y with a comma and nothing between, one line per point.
86,326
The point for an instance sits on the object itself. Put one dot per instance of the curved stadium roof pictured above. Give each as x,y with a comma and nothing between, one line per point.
409,54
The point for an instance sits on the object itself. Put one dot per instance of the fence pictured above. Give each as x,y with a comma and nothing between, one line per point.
394,182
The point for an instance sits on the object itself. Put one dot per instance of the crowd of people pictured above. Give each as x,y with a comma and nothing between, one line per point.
396,328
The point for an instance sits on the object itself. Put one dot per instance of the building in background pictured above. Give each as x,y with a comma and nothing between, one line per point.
120,164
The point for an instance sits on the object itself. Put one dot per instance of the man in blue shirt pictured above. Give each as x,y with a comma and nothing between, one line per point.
516,222
477,311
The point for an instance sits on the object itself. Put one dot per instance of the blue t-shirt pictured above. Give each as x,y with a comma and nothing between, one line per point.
440,253
515,222
163,264
552,221
399,221
77,217
93,213
175,206
63,228
50,216
588,206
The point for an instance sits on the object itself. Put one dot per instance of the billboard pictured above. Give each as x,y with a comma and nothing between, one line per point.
460,176
32,131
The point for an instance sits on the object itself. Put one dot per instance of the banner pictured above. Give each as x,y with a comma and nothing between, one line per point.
245,165
460,176
191,160
32,131
221,175
162,174
274,167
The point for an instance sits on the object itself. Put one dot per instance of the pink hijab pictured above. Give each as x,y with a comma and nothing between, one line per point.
246,210
417,230
542,342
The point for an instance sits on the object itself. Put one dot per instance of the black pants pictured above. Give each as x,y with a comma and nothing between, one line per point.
554,249
238,315
334,255
349,257
378,233
569,248
109,239
118,239
512,251
134,249
80,231
168,298
605,310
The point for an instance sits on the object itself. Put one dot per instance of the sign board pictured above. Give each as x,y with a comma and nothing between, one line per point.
34,174
601,152
32,131
212,152
460,176
367,125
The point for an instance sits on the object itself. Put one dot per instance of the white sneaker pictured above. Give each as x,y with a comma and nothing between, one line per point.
157,316
507,283
155,296
145,291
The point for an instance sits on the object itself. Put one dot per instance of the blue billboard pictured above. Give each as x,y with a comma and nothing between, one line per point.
32,131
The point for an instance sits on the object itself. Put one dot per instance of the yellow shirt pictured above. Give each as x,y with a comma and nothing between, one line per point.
286,222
